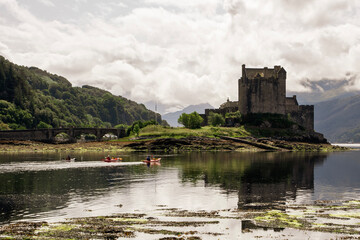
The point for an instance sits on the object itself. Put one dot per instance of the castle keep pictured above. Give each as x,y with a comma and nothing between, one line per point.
263,90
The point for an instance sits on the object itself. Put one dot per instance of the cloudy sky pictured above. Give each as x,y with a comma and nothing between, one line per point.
181,52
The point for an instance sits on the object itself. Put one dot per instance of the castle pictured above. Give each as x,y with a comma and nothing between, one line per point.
263,90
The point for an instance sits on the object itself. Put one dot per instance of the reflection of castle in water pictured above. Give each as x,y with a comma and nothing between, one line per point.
259,178
268,182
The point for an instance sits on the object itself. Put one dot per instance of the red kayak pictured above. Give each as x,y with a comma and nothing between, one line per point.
111,159
152,160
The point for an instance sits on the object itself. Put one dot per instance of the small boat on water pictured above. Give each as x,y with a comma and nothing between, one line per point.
152,160
70,160
111,159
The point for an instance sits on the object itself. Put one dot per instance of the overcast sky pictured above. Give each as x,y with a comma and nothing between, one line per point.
182,52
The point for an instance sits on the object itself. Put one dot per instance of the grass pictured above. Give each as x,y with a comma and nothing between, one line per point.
156,131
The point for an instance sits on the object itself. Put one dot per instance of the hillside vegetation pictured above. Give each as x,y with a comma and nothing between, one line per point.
31,97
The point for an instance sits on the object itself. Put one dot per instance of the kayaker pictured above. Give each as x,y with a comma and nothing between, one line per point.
68,157
108,158
148,158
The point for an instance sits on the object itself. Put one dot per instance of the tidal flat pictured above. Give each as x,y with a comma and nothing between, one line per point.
325,219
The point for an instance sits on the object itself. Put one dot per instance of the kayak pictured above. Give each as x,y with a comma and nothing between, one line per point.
152,160
111,160
70,160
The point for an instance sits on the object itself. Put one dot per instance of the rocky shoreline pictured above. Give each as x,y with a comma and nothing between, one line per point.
173,145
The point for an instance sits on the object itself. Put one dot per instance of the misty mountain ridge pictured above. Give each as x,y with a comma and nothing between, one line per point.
339,119
325,90
172,118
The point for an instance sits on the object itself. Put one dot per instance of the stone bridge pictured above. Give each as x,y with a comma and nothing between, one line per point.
48,135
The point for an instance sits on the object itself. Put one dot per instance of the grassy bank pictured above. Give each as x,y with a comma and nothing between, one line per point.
166,139
156,131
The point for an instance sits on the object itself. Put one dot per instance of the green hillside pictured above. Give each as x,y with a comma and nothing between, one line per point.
31,97
339,119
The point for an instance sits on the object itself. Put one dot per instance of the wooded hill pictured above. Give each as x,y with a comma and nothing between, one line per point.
31,97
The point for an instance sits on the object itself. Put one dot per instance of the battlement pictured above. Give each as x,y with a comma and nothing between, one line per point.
253,73
307,107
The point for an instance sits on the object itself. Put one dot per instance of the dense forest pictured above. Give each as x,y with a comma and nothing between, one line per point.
33,98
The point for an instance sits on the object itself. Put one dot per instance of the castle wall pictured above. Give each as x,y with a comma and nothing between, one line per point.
261,95
221,111
291,104
304,116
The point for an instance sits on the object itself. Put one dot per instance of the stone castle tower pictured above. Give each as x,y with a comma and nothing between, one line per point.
263,90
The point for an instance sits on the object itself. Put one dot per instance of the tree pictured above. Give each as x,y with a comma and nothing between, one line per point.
216,119
120,126
4,126
184,119
136,129
192,120
43,125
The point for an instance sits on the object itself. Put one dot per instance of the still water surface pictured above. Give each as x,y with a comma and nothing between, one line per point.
44,187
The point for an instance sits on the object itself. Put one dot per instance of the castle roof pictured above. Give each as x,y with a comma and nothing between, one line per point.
252,73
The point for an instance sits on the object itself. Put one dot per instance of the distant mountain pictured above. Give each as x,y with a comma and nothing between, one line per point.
172,118
339,119
31,97
324,90
160,107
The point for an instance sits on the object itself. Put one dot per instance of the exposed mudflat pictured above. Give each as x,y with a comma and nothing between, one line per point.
324,219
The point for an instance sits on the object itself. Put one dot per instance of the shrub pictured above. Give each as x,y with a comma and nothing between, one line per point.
4,126
236,115
192,120
216,119
122,126
43,125
275,120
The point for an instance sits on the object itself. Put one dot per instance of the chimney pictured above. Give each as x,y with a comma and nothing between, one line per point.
243,71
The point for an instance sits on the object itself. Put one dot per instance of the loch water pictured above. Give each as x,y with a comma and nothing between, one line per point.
44,187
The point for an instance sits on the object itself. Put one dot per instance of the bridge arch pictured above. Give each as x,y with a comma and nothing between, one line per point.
48,135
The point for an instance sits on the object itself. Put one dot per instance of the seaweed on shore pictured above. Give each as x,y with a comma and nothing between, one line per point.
339,218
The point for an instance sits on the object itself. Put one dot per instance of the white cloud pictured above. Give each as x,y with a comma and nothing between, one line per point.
207,7
192,54
48,3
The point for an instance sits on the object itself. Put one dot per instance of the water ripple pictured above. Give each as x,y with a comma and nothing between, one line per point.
58,165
